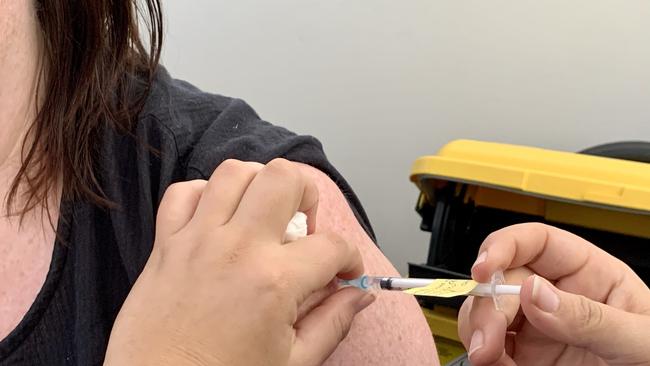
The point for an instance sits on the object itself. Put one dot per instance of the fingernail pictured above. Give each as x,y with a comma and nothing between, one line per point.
544,297
477,342
480,259
365,301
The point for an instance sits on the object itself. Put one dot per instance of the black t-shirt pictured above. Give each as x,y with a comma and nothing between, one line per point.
101,252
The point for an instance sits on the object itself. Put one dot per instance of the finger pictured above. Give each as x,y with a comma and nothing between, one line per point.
464,326
465,329
320,258
177,206
482,328
320,332
224,191
469,320
509,307
487,342
316,298
472,340
273,197
548,251
612,334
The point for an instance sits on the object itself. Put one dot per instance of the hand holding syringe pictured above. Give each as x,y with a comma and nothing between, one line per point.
417,286
437,287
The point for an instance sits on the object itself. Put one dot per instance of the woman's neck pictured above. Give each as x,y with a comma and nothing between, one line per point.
20,50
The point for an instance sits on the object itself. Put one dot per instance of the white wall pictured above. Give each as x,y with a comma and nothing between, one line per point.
382,82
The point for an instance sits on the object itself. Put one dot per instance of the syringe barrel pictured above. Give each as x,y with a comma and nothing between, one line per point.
485,290
397,283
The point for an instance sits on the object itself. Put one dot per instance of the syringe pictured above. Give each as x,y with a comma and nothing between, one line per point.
495,289
297,228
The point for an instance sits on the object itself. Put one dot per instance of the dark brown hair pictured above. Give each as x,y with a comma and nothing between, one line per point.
96,72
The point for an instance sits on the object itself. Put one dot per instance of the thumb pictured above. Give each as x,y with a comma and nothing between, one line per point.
612,334
321,330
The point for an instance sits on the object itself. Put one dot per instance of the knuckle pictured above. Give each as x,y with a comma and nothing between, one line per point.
244,168
175,189
252,166
280,163
240,168
177,198
284,168
231,164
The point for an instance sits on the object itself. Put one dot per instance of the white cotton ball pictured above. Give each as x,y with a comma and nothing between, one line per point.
297,228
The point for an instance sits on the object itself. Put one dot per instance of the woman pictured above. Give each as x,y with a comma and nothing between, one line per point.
94,132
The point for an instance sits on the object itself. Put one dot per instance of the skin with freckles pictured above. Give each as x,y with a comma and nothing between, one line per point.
19,54
578,304
403,338
25,251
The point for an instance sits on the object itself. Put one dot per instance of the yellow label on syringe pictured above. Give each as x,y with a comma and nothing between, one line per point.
444,288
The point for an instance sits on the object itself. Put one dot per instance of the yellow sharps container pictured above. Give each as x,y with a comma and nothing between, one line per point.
472,188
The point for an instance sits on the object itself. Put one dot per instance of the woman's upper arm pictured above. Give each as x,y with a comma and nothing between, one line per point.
392,331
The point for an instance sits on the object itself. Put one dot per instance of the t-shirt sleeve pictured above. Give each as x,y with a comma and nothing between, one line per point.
238,133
